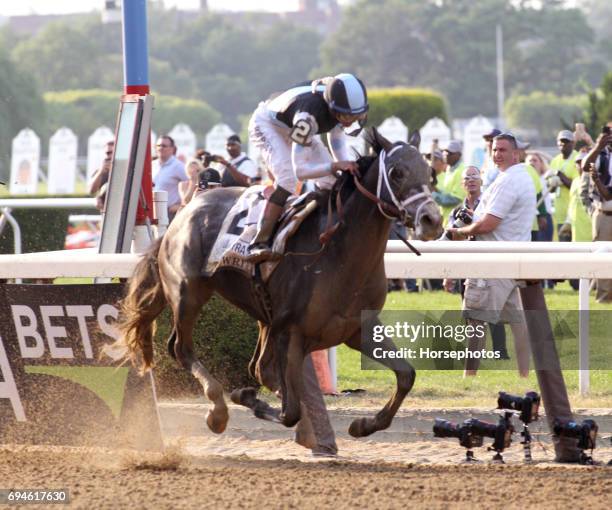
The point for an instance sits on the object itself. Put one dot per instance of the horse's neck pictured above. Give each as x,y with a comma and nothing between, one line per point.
367,230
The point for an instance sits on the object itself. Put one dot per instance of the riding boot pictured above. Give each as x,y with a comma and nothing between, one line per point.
260,249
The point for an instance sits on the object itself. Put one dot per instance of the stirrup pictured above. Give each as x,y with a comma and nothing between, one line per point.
261,252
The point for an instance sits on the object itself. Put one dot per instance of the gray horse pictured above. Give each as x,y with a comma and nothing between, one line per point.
314,302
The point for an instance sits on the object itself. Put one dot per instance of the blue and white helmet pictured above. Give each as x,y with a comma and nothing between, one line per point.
346,93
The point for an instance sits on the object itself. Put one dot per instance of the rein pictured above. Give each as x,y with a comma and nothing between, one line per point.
395,211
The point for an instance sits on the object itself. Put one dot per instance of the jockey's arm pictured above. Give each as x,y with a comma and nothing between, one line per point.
306,165
309,158
337,143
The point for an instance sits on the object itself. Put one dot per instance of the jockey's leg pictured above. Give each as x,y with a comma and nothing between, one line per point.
275,146
260,248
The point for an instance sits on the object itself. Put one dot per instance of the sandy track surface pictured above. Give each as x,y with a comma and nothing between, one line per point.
255,464
100,478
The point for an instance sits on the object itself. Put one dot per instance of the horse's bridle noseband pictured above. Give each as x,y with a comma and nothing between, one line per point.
396,210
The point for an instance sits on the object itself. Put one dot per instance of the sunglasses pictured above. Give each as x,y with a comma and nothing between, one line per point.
163,145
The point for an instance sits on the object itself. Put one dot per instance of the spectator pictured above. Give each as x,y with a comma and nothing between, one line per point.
505,213
99,179
539,220
489,171
598,163
436,162
562,171
208,178
577,216
187,188
450,193
472,183
170,173
240,170
545,232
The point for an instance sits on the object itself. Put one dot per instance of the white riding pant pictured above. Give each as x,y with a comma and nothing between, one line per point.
271,137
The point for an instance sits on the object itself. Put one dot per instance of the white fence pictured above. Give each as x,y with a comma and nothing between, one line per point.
440,260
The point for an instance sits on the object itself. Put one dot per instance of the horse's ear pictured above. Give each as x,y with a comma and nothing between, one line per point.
377,141
415,139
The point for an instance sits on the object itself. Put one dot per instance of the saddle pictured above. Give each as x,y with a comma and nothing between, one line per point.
230,250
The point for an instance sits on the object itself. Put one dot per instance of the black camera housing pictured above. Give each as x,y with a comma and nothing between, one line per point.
528,406
585,432
471,432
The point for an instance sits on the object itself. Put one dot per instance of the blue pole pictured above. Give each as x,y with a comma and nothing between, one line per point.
136,81
135,47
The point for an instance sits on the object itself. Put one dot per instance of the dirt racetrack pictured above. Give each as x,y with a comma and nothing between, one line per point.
256,464
100,478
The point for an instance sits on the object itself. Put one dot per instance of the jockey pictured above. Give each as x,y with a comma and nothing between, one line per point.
286,128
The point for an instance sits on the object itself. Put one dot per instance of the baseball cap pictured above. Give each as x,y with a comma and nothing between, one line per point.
523,146
453,146
565,134
234,139
492,134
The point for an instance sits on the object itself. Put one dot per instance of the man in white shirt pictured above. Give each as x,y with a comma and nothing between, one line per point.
171,171
505,213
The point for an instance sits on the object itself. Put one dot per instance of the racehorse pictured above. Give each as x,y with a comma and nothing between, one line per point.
313,301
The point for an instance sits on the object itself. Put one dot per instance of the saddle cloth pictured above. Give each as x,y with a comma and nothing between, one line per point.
230,249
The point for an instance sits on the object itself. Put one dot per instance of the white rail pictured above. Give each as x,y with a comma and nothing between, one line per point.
584,265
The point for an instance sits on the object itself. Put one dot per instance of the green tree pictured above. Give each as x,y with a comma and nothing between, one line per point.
61,57
21,106
85,110
544,112
449,46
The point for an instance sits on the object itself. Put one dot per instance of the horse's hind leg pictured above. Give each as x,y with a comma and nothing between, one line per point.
404,375
192,295
292,364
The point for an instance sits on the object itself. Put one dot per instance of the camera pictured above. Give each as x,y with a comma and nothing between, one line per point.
206,158
528,406
585,432
462,431
606,130
462,216
471,433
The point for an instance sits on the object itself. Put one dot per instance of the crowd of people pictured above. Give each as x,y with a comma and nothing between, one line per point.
572,189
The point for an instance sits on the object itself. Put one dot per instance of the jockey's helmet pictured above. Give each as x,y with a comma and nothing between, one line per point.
346,94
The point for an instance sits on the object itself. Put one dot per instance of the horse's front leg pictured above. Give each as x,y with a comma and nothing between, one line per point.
292,382
191,297
404,375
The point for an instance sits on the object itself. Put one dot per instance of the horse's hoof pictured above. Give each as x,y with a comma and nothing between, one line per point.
264,412
359,428
244,397
289,420
217,422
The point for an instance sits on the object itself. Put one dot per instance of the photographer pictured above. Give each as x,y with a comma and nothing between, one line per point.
463,215
505,213
240,170
99,180
598,165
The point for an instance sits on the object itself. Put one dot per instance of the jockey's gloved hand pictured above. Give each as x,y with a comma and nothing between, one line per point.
345,166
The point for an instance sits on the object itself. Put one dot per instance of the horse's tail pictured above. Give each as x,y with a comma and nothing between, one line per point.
140,307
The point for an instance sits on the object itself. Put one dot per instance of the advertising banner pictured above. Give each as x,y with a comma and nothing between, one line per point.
57,384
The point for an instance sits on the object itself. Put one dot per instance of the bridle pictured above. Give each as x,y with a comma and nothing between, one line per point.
396,210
